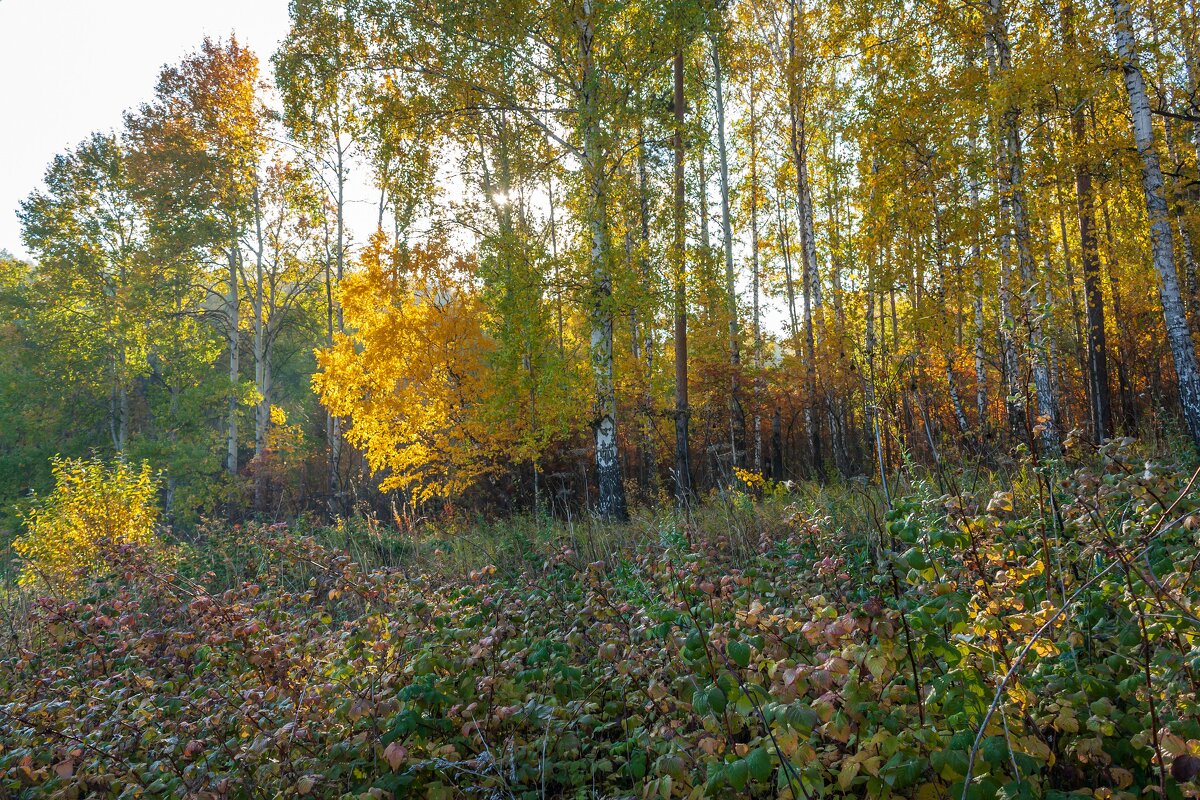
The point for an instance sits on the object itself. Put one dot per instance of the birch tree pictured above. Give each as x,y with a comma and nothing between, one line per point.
1179,333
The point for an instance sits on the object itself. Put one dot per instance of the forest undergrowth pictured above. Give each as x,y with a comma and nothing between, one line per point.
1026,634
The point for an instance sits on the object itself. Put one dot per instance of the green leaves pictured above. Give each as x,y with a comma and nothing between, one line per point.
950,764
739,653
738,773
758,764
716,699
571,668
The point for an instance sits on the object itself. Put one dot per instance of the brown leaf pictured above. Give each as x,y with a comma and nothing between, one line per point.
396,754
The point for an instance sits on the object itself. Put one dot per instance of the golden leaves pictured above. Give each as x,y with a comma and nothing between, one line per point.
412,373
93,504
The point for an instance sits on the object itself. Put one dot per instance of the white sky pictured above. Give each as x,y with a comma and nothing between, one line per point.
70,67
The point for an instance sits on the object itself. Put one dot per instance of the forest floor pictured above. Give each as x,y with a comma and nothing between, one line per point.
1025,634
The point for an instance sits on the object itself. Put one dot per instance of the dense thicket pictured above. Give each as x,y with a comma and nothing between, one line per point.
775,647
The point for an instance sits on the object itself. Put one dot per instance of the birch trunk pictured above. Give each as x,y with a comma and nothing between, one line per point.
1179,334
976,257
789,280
939,248
1186,251
1011,181
334,425
812,284
755,280
611,495
231,441
649,449
737,420
122,426
262,411
1008,325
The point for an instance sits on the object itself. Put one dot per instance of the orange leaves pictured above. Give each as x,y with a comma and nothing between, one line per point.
65,769
200,139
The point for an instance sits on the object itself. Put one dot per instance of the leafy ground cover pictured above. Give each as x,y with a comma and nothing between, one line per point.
1034,641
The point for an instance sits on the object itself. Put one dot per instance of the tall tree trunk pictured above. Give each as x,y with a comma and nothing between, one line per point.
1068,264
334,424
1012,185
905,394
1099,397
558,300
649,448
1179,334
1175,196
777,444
331,426
1179,211
683,477
262,410
611,501
789,280
979,328
120,401
808,249
1008,326
810,286
1191,50
835,407
939,250
883,362
737,419
1100,400
122,426
873,422
1129,410
231,441
755,281
870,400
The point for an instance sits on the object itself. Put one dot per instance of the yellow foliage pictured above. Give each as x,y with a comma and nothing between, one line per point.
93,503
278,417
411,375
285,442
751,480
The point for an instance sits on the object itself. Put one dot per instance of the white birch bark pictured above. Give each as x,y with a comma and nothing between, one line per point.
737,421
1179,334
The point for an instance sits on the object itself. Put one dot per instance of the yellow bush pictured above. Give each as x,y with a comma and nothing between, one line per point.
751,480
92,503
